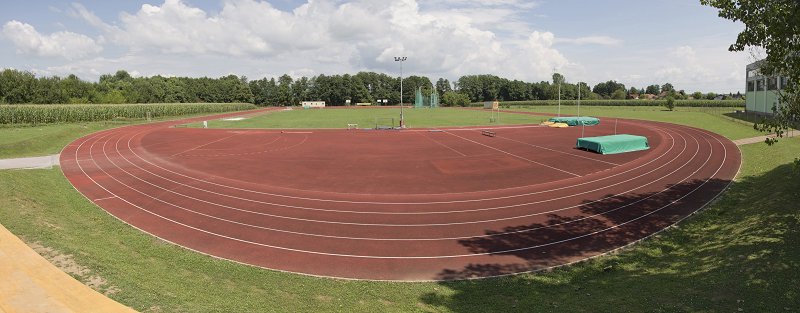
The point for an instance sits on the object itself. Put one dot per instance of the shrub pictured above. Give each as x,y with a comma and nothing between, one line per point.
670,104
452,98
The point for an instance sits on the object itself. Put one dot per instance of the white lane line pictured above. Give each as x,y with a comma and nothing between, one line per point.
203,145
403,239
420,257
554,150
106,198
305,138
404,225
441,144
399,203
514,155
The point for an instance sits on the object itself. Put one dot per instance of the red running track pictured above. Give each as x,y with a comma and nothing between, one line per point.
399,205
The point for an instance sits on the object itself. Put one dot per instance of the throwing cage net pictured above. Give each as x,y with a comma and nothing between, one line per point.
426,101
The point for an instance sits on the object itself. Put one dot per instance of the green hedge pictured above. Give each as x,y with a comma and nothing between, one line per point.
661,103
43,114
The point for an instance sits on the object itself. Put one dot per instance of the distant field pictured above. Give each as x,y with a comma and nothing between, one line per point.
714,119
63,113
366,118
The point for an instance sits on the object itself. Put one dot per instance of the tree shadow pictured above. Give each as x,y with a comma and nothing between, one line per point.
732,244
601,226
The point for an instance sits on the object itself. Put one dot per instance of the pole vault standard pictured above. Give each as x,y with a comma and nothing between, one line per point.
401,60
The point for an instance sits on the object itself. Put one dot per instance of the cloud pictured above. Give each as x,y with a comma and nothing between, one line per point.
591,40
330,36
63,44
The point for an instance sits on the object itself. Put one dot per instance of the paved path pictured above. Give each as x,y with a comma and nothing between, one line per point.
27,163
747,141
31,284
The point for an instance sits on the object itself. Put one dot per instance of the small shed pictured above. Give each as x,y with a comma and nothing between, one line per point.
313,104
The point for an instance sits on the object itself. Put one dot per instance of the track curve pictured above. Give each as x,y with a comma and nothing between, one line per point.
424,204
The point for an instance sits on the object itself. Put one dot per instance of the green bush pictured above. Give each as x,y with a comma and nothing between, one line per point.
670,103
43,114
452,98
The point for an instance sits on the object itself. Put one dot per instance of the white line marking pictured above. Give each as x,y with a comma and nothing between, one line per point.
106,198
567,153
514,155
203,145
441,144
417,257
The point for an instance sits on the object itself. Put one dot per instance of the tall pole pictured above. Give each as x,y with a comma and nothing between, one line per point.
559,92
401,60
579,99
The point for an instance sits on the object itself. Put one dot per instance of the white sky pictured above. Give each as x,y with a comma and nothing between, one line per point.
634,42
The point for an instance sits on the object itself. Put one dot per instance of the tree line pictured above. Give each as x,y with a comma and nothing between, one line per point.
24,87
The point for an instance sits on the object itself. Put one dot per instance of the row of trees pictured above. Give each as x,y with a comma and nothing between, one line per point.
23,87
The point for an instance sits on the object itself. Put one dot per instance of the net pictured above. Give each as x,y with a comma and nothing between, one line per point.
426,101
384,123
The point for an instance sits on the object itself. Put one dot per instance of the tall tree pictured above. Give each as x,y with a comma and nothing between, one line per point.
667,87
773,25
442,86
653,89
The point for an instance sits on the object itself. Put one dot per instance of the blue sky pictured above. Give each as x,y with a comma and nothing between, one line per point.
634,42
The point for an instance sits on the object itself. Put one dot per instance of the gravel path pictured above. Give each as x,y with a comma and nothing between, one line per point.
29,163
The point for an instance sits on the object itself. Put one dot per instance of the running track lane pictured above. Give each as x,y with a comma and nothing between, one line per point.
284,200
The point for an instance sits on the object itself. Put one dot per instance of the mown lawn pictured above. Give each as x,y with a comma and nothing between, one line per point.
40,140
740,254
367,118
718,120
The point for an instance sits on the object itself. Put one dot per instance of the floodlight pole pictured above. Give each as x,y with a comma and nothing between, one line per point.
401,60
579,99
559,92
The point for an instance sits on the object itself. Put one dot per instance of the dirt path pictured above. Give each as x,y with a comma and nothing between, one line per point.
32,284
751,140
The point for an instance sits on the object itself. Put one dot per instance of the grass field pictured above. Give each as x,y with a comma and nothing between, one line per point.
740,254
46,139
713,119
366,118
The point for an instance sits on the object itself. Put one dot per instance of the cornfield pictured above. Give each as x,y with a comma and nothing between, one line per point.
44,114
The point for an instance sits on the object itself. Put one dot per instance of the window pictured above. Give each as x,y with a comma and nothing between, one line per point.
772,83
759,85
751,86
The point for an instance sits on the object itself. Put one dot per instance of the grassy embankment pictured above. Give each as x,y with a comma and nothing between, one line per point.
740,254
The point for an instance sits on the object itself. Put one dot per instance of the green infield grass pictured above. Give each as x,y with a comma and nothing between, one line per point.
718,120
368,117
